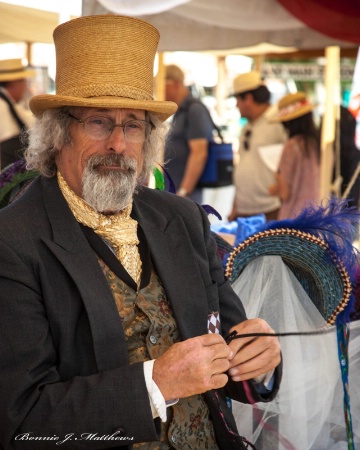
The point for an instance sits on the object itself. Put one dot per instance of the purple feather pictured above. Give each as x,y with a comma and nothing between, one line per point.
171,185
210,210
7,174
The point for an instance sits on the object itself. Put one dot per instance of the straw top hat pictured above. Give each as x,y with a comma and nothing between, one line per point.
13,69
105,61
292,106
247,82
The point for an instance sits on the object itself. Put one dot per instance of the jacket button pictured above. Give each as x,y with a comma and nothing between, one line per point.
153,339
120,431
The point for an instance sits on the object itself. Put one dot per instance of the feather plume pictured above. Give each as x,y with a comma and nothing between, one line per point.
14,176
159,179
210,210
171,186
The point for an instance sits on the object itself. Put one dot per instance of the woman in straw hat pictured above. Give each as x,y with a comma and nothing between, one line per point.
298,177
113,301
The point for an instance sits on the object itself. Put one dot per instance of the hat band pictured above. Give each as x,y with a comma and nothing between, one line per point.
106,90
11,71
292,108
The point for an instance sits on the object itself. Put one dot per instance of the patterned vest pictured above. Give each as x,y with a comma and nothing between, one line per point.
150,329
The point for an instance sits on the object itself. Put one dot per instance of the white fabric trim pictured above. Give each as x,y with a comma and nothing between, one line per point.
157,401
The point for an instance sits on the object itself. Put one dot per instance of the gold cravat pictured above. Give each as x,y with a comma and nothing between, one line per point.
119,229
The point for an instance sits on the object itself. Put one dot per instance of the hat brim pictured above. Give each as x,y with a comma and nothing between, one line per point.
161,109
323,278
247,88
18,75
293,115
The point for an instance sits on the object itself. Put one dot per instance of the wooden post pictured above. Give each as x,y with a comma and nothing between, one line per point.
159,93
29,53
258,62
331,115
221,90
160,78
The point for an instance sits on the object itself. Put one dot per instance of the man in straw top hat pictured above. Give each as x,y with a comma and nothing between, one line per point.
113,299
14,117
252,175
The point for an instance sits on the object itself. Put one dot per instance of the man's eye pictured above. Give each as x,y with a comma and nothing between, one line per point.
134,125
99,121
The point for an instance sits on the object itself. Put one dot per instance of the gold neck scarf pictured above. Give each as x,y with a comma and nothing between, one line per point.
119,229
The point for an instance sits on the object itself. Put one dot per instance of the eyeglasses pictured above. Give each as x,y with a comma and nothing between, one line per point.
97,127
246,141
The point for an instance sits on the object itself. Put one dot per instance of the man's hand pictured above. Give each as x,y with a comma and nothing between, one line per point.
253,356
192,367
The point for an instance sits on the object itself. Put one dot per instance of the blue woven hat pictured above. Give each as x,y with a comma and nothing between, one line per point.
317,249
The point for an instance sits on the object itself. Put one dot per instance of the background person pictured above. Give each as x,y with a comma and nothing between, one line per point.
186,149
252,176
349,156
113,300
298,178
14,117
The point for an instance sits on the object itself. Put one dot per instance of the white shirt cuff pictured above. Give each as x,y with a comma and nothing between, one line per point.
157,401
266,379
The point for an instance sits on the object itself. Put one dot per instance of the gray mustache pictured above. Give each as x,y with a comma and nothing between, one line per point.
113,160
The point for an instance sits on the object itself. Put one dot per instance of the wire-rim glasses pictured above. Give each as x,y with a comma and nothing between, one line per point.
98,127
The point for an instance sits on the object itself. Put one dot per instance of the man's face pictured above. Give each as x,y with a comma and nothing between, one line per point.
104,172
171,90
17,89
244,106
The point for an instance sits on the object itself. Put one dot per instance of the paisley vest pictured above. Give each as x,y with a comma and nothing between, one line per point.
150,329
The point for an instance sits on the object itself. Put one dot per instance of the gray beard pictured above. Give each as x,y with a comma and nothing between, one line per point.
109,190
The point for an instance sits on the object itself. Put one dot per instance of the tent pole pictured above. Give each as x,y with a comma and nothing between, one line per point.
29,53
331,116
221,90
159,95
258,62
160,78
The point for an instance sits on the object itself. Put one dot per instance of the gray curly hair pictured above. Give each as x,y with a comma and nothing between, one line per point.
51,133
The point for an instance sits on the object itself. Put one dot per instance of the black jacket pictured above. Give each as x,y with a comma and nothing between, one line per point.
63,358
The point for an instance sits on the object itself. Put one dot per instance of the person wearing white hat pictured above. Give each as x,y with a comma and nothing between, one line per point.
14,117
113,299
252,175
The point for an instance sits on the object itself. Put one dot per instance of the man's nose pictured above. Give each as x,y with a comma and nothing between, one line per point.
117,139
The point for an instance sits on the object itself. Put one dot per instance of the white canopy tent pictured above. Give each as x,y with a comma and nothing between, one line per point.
191,25
25,24
195,25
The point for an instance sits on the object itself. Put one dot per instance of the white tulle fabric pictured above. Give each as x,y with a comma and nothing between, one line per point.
308,410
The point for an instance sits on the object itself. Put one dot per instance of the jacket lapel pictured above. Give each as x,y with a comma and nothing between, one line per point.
172,253
71,248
